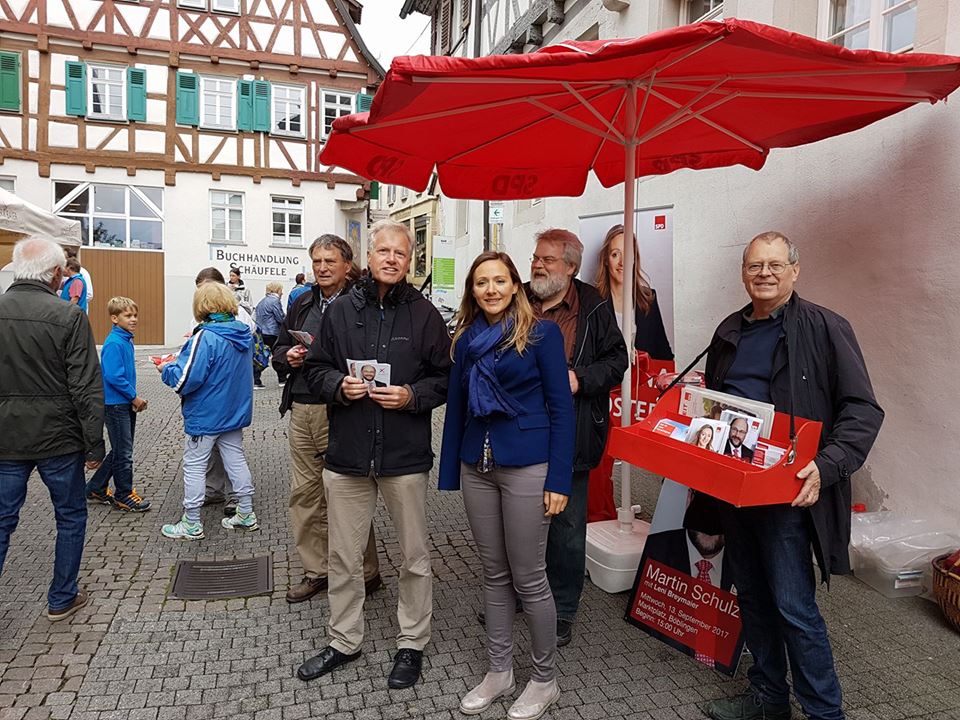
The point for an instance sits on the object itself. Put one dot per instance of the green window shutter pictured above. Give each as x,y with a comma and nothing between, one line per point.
76,88
261,105
362,102
10,81
136,94
245,105
188,105
374,190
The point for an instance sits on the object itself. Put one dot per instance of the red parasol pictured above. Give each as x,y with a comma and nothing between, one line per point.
700,96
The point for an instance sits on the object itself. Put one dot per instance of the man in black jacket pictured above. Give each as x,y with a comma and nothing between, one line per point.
379,442
51,410
333,270
804,358
597,360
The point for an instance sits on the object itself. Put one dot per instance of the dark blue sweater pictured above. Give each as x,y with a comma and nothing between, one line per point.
752,369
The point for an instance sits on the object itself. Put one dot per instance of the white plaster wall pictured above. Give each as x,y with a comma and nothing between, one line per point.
874,213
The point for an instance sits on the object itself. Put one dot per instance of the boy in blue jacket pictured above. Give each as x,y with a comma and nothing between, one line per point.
121,406
214,377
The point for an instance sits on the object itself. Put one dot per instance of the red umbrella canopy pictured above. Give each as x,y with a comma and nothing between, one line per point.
699,96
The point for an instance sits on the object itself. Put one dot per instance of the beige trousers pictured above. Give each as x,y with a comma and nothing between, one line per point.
308,505
353,500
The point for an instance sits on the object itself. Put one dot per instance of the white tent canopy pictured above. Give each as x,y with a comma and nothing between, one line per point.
19,218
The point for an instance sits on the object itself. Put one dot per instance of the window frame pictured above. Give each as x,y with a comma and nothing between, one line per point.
232,11
129,190
192,4
287,212
875,24
227,240
12,180
231,83
122,69
324,131
714,13
274,130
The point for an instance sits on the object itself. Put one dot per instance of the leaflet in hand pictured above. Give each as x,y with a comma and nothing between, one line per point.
302,337
159,360
373,373
698,402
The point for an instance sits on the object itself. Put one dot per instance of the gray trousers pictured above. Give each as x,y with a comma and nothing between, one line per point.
219,486
505,510
196,456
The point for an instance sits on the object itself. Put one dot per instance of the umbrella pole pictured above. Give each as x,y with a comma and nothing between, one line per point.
625,514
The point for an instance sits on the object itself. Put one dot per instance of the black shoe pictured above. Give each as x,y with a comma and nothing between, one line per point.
230,508
328,659
747,706
482,618
406,668
373,584
564,632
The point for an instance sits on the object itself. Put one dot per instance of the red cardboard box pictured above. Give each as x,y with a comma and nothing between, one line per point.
726,478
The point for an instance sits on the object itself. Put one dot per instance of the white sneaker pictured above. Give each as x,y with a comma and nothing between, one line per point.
239,521
534,700
493,686
183,530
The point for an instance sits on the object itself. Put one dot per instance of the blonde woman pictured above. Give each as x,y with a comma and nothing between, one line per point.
213,375
508,442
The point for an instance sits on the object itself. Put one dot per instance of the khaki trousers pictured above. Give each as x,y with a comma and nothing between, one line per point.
308,505
353,500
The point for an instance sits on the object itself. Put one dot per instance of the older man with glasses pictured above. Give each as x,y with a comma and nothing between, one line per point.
596,360
805,359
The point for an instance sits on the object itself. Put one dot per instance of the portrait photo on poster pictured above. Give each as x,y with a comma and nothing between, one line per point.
683,593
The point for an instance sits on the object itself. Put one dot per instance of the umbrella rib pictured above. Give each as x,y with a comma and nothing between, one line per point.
562,116
643,106
819,73
798,96
716,126
594,111
510,133
454,111
682,111
596,154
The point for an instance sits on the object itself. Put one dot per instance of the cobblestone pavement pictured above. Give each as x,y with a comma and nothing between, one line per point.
134,654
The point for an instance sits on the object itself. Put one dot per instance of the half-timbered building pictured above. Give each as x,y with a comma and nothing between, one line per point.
182,134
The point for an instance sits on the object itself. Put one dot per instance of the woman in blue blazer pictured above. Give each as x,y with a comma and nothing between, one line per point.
508,443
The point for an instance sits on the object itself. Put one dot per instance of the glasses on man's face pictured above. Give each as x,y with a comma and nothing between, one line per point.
545,260
775,268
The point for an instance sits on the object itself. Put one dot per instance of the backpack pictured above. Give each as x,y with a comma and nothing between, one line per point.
261,352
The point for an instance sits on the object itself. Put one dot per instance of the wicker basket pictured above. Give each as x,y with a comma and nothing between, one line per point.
946,589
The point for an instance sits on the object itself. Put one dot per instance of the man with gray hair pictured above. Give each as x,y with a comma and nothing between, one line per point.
597,359
804,359
335,272
379,445
51,410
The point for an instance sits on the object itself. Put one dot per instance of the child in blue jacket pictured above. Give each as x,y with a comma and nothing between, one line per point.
214,377
121,406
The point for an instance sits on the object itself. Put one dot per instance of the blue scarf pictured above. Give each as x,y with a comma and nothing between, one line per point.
219,317
485,396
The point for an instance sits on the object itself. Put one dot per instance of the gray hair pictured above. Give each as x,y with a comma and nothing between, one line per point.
37,258
390,226
329,240
572,247
793,252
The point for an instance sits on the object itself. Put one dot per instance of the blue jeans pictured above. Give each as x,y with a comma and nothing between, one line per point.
63,476
567,550
121,421
769,549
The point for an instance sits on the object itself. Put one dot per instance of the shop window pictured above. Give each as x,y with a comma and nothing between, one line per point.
113,216
226,217
888,25
287,221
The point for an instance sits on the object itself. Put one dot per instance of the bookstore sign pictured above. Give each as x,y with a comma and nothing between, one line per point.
268,266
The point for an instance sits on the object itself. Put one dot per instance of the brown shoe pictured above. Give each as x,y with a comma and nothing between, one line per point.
373,584
306,589
79,600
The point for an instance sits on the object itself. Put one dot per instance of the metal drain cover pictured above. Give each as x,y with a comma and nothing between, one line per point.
222,579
